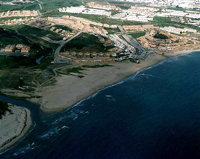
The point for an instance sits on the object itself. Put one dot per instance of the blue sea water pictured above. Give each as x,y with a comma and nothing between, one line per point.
154,114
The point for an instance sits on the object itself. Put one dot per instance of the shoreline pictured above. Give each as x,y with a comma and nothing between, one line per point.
15,126
69,93
70,90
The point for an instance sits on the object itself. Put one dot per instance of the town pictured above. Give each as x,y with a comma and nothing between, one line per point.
119,38
55,53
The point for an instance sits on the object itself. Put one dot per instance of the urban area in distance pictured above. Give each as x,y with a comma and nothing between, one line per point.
54,54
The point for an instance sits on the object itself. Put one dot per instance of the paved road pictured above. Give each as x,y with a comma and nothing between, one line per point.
62,44
40,4
121,29
133,42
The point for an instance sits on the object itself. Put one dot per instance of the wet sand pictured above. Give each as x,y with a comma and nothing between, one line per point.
68,90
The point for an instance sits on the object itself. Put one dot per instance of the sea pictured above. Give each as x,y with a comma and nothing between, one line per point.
153,114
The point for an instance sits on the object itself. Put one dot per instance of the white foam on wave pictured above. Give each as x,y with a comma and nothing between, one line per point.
148,75
69,115
25,149
60,119
80,103
53,132
110,98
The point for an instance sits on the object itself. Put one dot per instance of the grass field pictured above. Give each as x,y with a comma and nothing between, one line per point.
7,38
166,21
34,35
63,27
19,6
55,4
85,43
112,31
29,36
138,34
106,20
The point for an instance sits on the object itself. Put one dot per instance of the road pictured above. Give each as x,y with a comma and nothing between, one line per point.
133,42
62,44
121,29
40,4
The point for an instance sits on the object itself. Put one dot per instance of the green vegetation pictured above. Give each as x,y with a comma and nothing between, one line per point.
160,36
13,79
81,68
63,27
112,31
105,19
122,3
138,34
19,6
29,36
39,48
52,13
3,108
7,38
162,21
33,35
166,21
124,6
11,18
176,8
16,62
36,32
71,70
55,4
126,3
86,43
113,12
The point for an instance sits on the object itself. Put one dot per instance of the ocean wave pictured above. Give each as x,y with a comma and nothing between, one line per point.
80,103
25,149
147,76
110,98
70,114
53,132
60,119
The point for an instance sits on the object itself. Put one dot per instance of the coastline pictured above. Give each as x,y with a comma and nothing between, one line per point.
70,90
14,126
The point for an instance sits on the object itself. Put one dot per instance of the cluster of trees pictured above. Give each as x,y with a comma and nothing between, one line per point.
160,36
3,108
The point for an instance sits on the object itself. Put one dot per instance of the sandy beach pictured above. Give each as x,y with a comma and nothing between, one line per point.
68,90
14,126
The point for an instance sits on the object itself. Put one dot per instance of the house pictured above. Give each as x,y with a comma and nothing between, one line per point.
25,50
107,54
19,46
94,54
10,48
87,54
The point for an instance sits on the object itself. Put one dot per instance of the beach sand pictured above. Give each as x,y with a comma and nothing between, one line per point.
68,90
13,126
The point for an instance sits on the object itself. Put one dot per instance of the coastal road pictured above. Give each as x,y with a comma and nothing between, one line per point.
133,42
62,44
121,29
